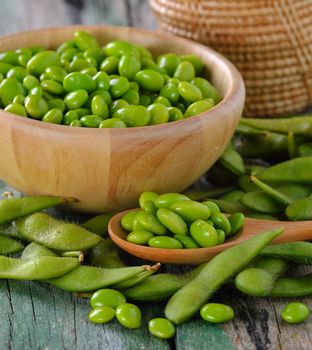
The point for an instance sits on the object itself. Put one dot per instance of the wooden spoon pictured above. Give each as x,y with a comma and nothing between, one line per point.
293,231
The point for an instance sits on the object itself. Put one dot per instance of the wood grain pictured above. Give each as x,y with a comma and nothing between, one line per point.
116,165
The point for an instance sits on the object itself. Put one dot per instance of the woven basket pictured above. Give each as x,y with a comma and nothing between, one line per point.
270,42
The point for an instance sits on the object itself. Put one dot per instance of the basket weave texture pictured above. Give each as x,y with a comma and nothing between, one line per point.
269,41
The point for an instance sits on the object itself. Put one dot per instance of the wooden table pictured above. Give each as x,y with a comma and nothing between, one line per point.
35,315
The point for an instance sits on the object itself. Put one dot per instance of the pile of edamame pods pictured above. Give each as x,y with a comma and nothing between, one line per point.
192,224
120,85
265,172
81,259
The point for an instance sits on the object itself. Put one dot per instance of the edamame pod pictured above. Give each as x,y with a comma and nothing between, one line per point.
91,278
14,208
188,300
37,268
292,287
300,209
9,245
105,254
262,202
232,161
34,250
98,224
55,234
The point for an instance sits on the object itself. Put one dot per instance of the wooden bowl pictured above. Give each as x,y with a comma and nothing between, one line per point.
106,169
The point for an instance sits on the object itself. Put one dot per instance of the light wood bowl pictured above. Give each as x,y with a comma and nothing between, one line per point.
106,169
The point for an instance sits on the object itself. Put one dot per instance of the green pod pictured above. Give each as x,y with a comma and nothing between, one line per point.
295,170
99,107
169,62
189,299
9,88
36,106
84,41
262,202
229,207
54,116
37,268
34,250
246,185
298,125
259,279
305,149
204,234
147,221
15,208
17,109
99,224
129,66
186,241
232,161
138,279
189,92
207,90
233,196
133,116
41,61
55,234
300,209
149,80
292,287
164,242
185,71
158,114
172,221
91,278
9,245
191,210
105,254
299,252
76,99
79,81
110,65
196,61
161,286
10,230
198,108
260,216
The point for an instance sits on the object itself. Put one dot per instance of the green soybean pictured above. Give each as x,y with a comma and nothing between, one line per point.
149,80
217,313
147,221
172,221
295,312
186,241
91,121
222,222
164,242
133,115
207,89
189,92
198,107
167,199
139,237
161,328
127,220
112,123
9,88
204,234
129,315
41,61
236,221
169,62
55,234
85,40
185,71
76,99
158,114
54,116
107,297
102,314
17,109
190,210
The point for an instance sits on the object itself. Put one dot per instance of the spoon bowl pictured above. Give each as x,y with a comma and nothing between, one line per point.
293,231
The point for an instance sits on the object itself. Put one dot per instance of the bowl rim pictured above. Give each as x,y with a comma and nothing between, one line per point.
235,90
